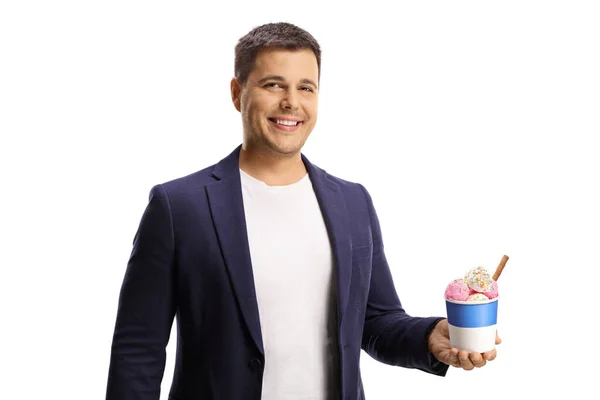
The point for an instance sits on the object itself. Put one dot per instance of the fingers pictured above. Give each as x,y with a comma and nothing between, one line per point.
451,358
465,360
477,360
489,355
468,361
455,361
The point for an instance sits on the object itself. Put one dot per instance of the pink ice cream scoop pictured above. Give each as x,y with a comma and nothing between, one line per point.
457,290
492,293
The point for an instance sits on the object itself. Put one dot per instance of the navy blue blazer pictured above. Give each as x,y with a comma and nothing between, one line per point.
191,259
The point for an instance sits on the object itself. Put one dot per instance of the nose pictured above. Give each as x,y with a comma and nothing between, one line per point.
289,100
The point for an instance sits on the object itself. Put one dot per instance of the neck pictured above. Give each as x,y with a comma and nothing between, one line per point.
274,170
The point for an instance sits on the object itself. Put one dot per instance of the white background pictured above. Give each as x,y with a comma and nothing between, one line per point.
473,125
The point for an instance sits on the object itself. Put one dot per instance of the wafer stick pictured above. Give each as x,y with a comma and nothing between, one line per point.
500,267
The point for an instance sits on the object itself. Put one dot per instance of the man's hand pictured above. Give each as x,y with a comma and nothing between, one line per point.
439,346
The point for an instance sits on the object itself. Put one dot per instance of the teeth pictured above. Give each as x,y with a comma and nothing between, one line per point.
288,123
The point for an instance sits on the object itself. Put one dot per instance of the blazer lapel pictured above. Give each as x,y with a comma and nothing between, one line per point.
333,207
227,208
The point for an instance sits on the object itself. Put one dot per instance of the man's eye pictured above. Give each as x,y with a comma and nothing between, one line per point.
306,88
273,85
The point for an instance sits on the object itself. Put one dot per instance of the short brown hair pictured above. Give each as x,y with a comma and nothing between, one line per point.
280,35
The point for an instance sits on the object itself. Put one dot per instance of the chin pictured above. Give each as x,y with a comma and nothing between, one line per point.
286,150
284,147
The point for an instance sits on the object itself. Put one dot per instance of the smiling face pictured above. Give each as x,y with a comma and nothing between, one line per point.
278,102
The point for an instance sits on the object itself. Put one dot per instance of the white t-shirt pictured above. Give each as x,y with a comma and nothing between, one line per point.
294,279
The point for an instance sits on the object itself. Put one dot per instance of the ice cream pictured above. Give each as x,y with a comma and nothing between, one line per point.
493,293
472,309
477,297
457,290
479,280
476,286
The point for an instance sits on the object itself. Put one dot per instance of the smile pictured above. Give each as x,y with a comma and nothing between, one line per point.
286,124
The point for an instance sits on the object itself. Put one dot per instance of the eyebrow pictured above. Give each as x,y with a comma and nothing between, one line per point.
279,78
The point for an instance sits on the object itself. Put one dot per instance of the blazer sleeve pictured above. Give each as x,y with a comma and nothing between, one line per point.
146,307
390,335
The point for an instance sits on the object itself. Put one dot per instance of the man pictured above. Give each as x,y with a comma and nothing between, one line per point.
275,269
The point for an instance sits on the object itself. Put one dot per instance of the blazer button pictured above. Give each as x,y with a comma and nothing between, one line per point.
255,364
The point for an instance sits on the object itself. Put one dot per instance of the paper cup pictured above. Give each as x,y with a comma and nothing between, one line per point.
472,325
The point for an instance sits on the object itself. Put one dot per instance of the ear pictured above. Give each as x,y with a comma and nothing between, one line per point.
236,92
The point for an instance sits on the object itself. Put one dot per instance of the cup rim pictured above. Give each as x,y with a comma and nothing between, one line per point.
471,303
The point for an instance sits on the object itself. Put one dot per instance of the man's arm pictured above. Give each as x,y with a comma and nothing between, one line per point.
391,335
146,307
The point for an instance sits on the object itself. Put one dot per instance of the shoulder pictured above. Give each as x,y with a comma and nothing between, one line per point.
183,187
190,181
197,181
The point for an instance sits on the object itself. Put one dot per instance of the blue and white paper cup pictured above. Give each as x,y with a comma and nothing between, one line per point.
472,325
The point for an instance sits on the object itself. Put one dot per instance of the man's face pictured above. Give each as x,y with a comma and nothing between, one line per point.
279,101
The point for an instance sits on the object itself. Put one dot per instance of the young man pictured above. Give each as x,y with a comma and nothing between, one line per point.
275,269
